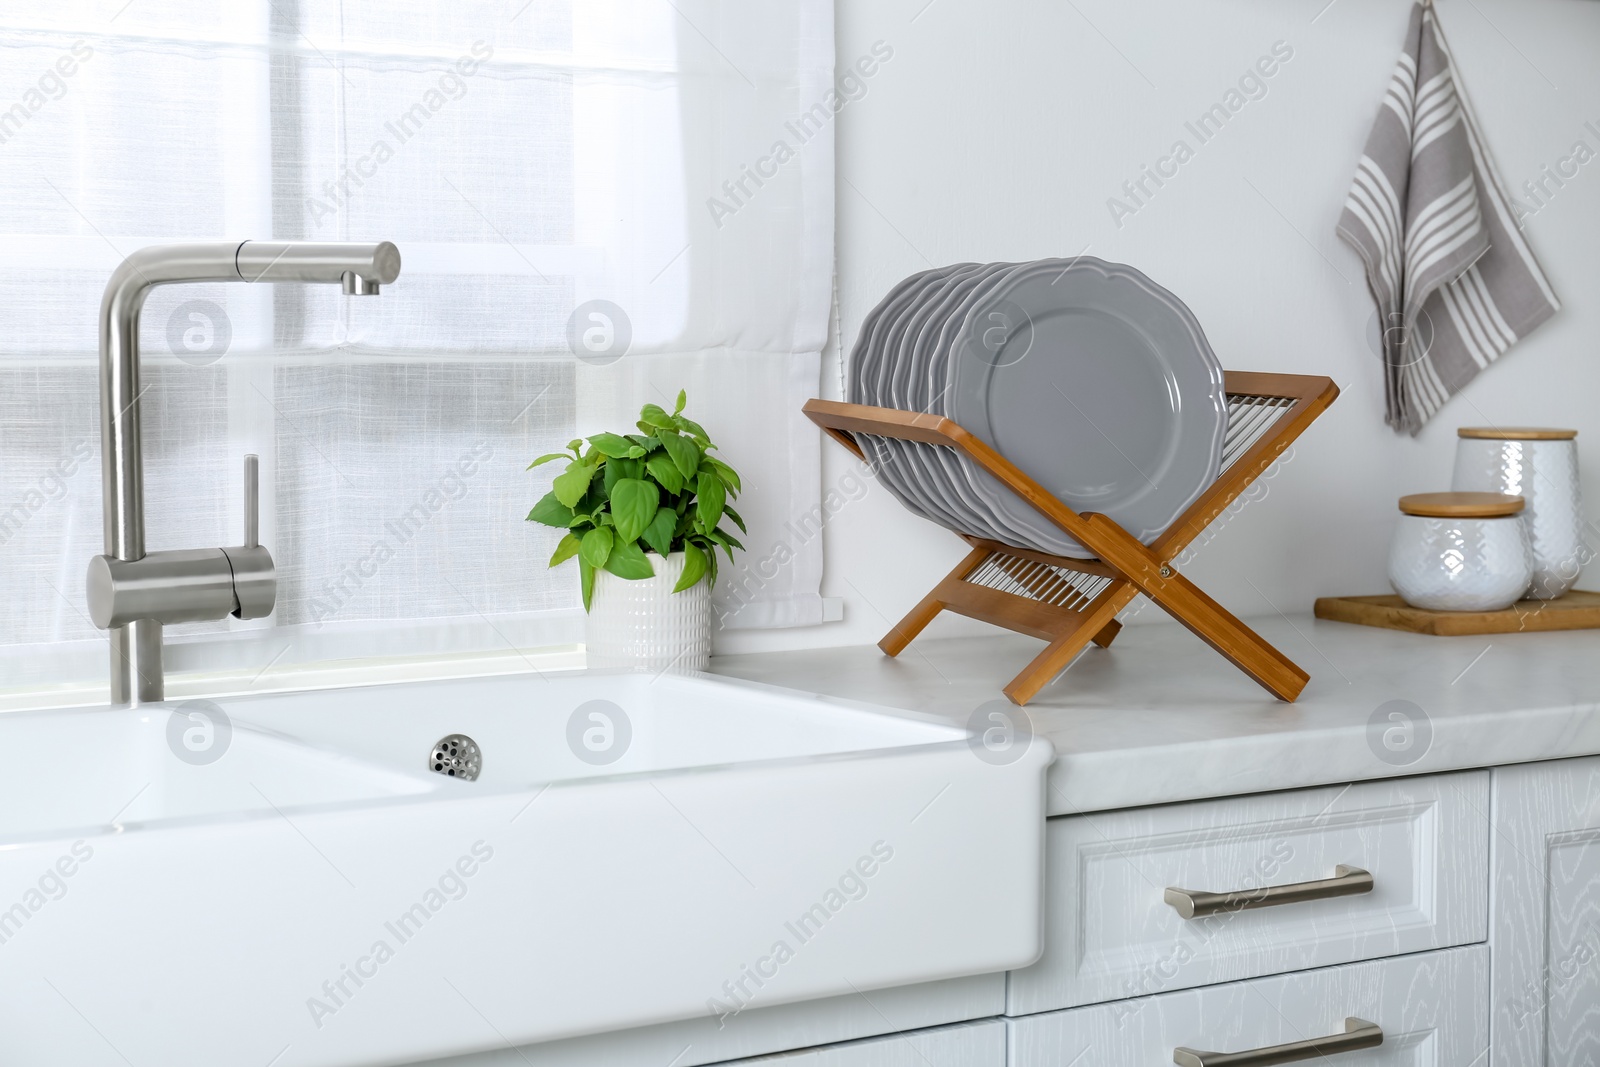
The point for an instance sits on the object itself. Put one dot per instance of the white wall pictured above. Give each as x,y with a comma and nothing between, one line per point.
999,129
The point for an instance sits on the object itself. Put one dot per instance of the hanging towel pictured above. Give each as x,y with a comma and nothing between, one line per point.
1455,283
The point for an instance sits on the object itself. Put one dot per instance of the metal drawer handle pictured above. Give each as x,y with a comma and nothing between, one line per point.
1346,881
1358,1034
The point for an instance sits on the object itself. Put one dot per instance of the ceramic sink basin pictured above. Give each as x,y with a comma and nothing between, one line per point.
633,850
110,770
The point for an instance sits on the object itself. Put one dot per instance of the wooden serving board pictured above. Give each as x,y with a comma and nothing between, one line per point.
1577,610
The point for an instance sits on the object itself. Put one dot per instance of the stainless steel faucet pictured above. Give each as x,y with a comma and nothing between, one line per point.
132,592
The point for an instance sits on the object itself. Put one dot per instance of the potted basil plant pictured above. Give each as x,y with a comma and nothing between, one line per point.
642,513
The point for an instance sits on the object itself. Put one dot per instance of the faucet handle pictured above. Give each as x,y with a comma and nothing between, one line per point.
255,576
252,501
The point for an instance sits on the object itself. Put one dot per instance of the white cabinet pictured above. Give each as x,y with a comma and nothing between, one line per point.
980,1044
1429,1007
1545,926
1110,935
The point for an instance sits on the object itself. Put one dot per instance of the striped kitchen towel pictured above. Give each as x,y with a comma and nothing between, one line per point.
1455,283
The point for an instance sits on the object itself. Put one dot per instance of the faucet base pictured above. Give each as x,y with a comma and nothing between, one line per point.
136,672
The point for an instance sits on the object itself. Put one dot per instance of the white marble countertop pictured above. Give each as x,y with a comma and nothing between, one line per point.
1160,717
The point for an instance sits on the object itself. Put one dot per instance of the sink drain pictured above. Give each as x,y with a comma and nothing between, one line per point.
456,756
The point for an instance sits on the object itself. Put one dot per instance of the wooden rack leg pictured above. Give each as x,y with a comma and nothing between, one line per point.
1099,618
1187,603
906,630
1239,644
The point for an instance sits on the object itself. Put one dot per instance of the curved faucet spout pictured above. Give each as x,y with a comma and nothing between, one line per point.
360,268
336,263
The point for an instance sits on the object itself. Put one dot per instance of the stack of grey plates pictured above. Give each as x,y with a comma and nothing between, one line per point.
1092,379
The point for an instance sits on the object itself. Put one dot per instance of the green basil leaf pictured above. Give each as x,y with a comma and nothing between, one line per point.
727,474
665,471
586,578
628,561
596,546
610,444
694,568
546,458
658,535
550,511
618,469
737,521
570,486
633,506
565,550
653,415
710,499
644,441
727,541
694,429
684,452
683,399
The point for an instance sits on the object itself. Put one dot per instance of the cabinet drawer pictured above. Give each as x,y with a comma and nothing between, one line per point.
980,1044
1430,1007
1109,934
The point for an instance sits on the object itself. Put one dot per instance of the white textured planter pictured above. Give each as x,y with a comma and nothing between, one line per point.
645,624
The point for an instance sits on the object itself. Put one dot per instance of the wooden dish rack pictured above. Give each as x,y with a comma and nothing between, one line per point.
1069,602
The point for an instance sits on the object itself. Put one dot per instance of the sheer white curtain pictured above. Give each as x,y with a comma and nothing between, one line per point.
559,176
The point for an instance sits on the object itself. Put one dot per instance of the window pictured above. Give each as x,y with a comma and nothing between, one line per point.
526,158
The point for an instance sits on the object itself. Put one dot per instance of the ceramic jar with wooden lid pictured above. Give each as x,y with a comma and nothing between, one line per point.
1460,552
1541,466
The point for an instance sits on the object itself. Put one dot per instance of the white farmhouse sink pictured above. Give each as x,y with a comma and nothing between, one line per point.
319,895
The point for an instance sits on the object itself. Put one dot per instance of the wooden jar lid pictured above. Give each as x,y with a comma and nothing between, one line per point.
1515,433
1461,505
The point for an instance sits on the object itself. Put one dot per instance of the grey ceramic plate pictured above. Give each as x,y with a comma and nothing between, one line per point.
903,356
941,467
862,370
969,480
877,347
922,464
891,329
864,357
1022,525
1097,383
896,371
